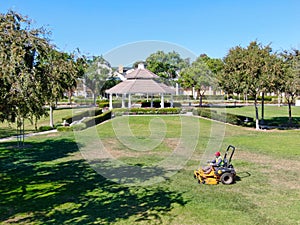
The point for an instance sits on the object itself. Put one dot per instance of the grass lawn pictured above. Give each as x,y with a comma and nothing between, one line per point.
272,113
10,129
50,182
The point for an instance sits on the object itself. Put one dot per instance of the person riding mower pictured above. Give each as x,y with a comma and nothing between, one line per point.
218,170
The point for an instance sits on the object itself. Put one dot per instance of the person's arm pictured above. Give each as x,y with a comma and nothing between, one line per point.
218,163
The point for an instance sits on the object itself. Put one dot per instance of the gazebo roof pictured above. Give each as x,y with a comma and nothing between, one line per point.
135,86
141,81
141,74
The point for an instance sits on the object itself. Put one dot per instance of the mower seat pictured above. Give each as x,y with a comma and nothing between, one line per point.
225,163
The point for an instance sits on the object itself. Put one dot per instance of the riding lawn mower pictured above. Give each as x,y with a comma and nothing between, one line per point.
225,173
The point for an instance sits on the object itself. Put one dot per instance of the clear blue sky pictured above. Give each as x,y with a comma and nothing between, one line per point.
97,27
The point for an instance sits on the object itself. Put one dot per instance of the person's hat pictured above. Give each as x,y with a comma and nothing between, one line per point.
217,154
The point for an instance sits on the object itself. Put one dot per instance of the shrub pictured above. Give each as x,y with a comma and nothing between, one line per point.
214,97
224,117
205,112
141,111
83,101
115,104
45,128
168,111
119,111
79,116
92,121
237,119
156,104
103,104
177,104
64,129
79,126
233,119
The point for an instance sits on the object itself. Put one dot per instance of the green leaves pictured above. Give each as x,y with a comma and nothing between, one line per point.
19,47
198,76
97,73
32,72
249,70
166,65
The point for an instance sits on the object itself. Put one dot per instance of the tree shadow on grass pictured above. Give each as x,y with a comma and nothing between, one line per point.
282,122
42,185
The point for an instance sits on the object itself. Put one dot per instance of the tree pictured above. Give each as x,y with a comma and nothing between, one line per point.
290,82
215,65
249,70
197,76
231,80
20,47
60,74
96,75
166,65
32,72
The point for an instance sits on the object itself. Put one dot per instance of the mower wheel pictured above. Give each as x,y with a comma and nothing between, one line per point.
227,178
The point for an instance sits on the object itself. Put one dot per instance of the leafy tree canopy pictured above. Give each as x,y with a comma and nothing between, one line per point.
166,65
97,74
197,76
21,48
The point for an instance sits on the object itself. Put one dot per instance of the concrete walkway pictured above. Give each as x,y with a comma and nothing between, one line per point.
12,138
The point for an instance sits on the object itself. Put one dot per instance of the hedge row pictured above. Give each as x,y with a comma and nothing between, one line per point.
106,104
144,104
224,117
79,116
142,111
251,98
88,122
156,104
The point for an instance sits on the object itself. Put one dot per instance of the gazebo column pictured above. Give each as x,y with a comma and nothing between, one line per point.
162,101
129,101
151,104
123,100
171,101
110,101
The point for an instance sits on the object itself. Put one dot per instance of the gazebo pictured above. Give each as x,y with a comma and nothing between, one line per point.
140,81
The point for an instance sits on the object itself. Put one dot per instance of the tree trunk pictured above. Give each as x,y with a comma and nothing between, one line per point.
256,114
35,123
70,96
51,116
262,107
94,97
246,98
200,101
290,113
279,99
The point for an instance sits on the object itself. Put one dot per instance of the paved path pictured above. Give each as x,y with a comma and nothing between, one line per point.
27,135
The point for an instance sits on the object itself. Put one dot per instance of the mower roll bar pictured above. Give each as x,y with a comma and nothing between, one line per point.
227,151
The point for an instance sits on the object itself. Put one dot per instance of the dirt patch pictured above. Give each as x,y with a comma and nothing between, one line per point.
281,172
117,149
277,164
172,143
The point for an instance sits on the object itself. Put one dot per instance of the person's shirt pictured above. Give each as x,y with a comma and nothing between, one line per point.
218,161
